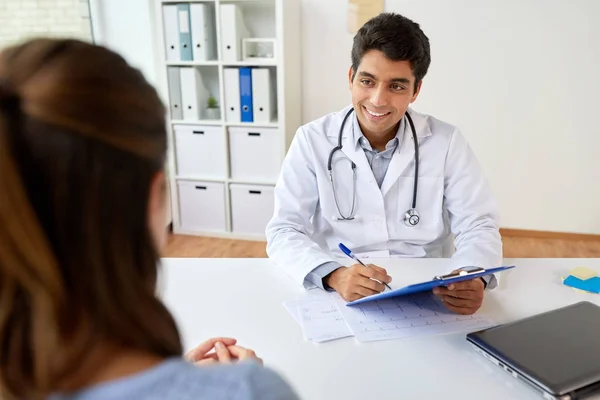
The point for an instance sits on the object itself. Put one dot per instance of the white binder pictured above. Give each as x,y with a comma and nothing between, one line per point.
194,95
231,85
233,29
263,97
171,31
203,32
174,92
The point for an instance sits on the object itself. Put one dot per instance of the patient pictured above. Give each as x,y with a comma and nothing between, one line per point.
82,219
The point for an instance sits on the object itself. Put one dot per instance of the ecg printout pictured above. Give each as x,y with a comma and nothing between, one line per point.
406,316
318,316
321,320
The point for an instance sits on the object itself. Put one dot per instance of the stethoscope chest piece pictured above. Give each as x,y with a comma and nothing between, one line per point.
411,217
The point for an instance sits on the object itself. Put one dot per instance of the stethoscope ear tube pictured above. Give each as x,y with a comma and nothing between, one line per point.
339,145
416,144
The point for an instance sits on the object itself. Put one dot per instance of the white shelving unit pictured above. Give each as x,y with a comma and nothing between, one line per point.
222,172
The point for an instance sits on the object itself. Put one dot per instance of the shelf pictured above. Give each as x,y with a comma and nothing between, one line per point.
186,1
211,122
200,178
222,123
247,1
212,63
253,182
243,195
225,180
254,124
251,63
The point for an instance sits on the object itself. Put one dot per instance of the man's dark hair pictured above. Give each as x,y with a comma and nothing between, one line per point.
396,36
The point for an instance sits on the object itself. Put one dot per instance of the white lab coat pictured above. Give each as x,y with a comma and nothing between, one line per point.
453,200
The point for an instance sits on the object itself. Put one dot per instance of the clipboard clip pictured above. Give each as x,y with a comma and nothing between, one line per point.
456,274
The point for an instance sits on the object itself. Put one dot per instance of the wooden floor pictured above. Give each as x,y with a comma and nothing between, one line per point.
514,247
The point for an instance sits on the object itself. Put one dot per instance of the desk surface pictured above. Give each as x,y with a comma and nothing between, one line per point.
242,298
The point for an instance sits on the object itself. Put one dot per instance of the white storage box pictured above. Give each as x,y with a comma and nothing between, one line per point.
202,206
200,151
251,208
255,153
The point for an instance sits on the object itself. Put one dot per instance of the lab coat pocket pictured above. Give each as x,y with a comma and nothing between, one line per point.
350,232
430,201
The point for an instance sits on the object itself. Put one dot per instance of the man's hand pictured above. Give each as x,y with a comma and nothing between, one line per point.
462,297
225,351
353,283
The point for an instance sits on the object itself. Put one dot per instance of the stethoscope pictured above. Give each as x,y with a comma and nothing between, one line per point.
411,217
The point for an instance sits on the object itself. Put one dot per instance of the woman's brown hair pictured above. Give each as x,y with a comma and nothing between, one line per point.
82,135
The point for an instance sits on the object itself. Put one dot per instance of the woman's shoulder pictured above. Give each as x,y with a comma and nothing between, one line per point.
245,380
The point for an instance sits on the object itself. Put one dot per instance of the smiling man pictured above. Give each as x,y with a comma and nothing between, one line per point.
384,180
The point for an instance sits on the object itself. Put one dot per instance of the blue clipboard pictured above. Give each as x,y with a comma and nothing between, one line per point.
440,280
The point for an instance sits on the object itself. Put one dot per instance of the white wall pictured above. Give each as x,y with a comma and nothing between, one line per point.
23,19
520,78
127,27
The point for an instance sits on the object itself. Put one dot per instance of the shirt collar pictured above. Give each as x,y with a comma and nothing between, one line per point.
361,141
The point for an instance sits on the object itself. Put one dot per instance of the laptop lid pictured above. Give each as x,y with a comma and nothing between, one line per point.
558,350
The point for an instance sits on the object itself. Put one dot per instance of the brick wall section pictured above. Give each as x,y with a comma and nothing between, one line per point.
22,19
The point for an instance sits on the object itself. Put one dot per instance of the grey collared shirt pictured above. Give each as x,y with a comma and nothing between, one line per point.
379,161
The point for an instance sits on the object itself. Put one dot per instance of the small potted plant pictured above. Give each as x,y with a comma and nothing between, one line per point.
212,109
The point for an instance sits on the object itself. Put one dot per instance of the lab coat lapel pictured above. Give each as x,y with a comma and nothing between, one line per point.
352,150
404,156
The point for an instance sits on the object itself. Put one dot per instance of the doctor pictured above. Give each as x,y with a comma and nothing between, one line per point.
384,180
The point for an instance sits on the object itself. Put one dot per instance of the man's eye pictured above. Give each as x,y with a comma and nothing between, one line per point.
398,87
365,82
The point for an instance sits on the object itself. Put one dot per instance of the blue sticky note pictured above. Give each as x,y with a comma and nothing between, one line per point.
589,285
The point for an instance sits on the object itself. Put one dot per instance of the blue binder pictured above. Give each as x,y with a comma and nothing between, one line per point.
440,280
246,94
185,33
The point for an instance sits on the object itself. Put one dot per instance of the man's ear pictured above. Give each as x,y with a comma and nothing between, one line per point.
417,91
350,76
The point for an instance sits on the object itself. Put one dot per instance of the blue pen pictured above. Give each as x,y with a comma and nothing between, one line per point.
352,256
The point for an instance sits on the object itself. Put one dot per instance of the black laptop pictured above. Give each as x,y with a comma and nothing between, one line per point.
557,352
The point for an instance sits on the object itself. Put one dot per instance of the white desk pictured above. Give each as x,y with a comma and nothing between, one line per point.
242,298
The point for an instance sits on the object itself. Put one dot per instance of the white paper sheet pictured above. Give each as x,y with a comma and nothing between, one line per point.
319,317
406,316
292,307
321,320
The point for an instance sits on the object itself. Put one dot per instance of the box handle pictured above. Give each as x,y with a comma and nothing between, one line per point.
253,133
201,187
254,191
198,132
